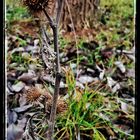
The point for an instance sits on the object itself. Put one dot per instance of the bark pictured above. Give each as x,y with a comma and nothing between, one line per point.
82,11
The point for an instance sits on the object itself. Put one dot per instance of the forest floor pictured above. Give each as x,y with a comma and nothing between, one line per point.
97,90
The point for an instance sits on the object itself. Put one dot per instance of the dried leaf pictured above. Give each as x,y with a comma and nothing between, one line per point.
86,79
27,76
18,87
12,117
116,87
132,57
32,48
113,84
124,106
22,100
20,49
102,73
90,70
22,108
130,73
14,132
107,53
120,66
49,79
110,82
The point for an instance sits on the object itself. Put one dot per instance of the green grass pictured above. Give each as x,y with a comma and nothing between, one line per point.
15,11
83,114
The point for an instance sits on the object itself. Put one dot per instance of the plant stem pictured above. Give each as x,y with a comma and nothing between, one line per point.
57,85
54,26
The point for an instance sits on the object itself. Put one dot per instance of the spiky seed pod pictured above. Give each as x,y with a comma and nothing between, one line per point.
33,95
61,106
35,6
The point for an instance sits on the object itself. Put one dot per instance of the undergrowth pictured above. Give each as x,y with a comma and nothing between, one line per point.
91,111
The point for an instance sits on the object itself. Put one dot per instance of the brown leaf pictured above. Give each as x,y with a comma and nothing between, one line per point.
27,76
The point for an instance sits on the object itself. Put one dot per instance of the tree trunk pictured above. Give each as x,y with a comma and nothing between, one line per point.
80,12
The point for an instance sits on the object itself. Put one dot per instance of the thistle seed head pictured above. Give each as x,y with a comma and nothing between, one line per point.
35,6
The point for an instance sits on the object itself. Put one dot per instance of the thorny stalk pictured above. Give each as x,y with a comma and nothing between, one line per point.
54,26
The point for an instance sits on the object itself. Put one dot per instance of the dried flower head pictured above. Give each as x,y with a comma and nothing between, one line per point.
35,6
61,106
33,95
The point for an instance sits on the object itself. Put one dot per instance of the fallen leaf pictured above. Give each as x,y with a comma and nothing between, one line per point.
32,48
27,76
102,72
113,84
124,106
22,108
116,87
12,117
48,78
14,132
130,73
18,87
20,49
22,100
120,66
110,82
86,79
130,56
101,75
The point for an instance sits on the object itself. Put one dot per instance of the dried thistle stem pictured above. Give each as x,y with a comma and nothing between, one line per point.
57,85
54,26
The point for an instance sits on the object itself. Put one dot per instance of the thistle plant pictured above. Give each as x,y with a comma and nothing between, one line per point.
47,8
